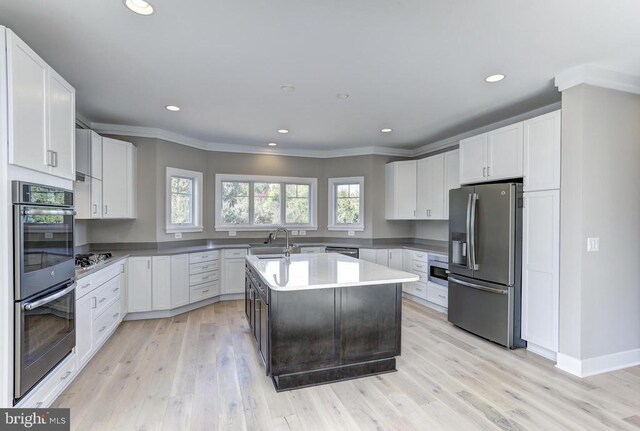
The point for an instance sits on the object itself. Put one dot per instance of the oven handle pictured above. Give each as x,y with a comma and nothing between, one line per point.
48,212
40,302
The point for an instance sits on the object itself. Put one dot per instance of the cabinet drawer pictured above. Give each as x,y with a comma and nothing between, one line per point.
438,294
206,256
420,267
205,277
203,291
419,289
105,323
422,256
104,296
236,252
198,268
95,280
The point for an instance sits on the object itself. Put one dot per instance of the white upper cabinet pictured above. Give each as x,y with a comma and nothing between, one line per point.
400,190
430,188
451,177
89,153
62,130
41,112
473,159
27,105
542,137
504,153
492,156
119,160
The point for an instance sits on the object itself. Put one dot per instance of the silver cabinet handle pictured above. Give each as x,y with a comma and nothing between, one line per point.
94,304
205,291
67,374
484,172
95,208
149,264
38,404
55,159
442,296
102,300
106,209
50,160
84,286
102,329
116,289
488,174
116,315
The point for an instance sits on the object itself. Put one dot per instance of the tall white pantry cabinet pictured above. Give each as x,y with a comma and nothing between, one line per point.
541,234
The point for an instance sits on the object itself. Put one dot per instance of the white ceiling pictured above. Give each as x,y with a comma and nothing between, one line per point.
416,66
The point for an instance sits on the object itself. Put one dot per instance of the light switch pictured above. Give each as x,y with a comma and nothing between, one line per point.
593,244
303,232
177,235
294,232
351,233
232,233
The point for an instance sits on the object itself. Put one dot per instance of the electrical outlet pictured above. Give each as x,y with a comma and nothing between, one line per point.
294,232
232,233
177,235
351,233
303,232
593,244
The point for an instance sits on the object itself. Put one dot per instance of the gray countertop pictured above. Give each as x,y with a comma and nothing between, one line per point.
118,255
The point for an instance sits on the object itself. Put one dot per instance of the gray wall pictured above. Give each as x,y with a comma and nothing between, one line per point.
600,197
432,229
155,155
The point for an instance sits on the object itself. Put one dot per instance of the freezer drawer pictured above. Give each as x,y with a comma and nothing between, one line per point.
482,308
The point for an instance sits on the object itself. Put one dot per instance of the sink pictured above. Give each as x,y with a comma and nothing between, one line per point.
272,250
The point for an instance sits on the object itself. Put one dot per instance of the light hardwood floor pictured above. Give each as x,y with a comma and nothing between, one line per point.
200,371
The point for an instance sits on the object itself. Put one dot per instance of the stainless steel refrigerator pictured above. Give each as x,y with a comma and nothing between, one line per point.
485,249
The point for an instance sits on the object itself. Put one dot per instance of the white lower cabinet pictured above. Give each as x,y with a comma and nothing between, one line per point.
233,270
179,280
396,258
139,284
368,254
382,257
84,344
540,269
204,275
161,282
313,250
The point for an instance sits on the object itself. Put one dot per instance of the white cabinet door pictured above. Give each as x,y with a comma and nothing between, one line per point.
473,159
96,155
436,182
542,137
84,329
233,276
62,122
400,190
396,259
505,148
139,284
118,179
161,282
367,254
27,105
451,177
179,280
540,268
82,199
423,188
96,198
382,257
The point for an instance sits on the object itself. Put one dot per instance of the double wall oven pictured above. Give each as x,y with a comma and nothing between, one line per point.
44,280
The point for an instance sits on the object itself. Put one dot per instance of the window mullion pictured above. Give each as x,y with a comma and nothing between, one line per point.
283,203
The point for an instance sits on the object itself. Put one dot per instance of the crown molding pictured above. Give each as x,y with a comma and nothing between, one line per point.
155,133
151,132
598,77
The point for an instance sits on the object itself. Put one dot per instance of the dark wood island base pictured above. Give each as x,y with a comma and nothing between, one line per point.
313,336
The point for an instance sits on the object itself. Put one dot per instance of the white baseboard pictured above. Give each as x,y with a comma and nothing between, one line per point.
600,364
161,314
542,351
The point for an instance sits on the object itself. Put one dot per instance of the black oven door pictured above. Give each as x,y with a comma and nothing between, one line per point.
44,335
44,248
438,274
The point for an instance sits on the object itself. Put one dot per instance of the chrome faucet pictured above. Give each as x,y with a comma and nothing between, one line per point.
274,235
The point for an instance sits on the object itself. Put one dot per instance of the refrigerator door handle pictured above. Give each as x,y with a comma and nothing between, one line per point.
471,231
467,242
479,287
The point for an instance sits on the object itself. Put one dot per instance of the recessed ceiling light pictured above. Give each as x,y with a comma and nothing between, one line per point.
288,88
495,78
283,131
272,144
172,108
387,130
342,96
140,7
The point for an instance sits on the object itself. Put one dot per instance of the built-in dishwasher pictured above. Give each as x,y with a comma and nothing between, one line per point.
347,251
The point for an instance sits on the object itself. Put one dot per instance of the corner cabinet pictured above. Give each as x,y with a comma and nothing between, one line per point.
542,138
139,284
119,160
492,156
41,112
430,186
400,190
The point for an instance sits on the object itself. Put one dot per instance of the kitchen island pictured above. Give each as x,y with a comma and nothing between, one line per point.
320,318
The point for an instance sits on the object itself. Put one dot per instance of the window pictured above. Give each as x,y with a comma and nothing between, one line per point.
250,202
346,203
184,201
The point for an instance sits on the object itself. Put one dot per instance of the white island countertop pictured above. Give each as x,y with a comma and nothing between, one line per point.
323,271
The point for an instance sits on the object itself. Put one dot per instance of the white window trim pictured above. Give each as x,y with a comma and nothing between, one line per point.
313,202
333,182
198,187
